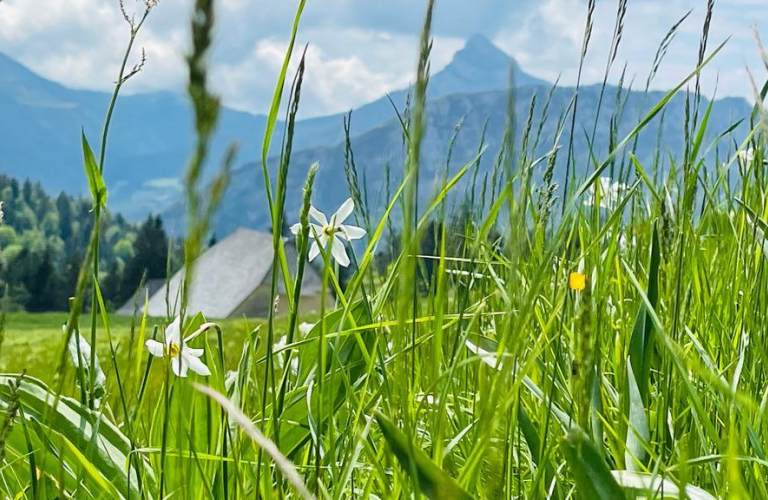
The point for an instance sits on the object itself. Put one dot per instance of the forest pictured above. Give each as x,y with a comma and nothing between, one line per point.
43,240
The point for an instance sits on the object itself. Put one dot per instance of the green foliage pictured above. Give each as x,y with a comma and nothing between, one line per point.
95,180
78,449
591,474
429,478
43,239
149,259
499,377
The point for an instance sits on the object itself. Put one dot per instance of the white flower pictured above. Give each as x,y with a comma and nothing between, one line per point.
426,398
305,328
182,356
610,193
333,231
80,351
624,244
747,156
280,344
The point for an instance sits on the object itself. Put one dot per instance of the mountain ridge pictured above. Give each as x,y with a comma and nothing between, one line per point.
481,114
152,133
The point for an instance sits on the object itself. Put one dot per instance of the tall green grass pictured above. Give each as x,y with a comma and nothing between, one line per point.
490,377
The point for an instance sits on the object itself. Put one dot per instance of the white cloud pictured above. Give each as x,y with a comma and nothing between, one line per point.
80,43
547,42
344,68
361,49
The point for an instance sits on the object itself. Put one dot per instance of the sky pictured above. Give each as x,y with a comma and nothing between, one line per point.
360,49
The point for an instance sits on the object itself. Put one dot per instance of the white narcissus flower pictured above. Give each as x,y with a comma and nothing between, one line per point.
305,328
183,357
333,231
747,156
610,193
81,352
280,344
2,212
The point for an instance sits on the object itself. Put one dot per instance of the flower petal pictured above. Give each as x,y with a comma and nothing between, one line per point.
155,348
318,216
173,332
322,240
195,364
296,228
192,351
179,366
344,211
315,229
353,232
305,328
314,251
339,253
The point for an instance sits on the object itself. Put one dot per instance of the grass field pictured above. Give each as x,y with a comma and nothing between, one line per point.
601,340
32,340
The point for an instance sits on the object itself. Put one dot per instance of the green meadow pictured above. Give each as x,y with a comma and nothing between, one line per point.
600,338
32,339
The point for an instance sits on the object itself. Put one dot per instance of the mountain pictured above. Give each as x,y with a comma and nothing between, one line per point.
152,133
478,67
150,138
245,203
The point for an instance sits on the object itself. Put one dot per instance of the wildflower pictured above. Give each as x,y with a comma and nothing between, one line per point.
280,344
305,328
746,156
610,193
625,243
182,356
333,231
81,352
577,281
2,212
426,398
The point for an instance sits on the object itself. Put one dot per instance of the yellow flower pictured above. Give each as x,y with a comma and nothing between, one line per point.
577,281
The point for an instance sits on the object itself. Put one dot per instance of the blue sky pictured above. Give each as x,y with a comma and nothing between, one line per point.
360,49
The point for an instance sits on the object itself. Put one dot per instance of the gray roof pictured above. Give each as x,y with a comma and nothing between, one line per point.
136,302
226,275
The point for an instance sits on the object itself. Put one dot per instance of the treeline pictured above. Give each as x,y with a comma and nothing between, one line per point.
459,230
43,240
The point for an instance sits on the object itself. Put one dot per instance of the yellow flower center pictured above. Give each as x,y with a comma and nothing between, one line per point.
577,281
329,231
172,350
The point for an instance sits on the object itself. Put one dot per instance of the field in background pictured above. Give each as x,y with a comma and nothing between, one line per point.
33,340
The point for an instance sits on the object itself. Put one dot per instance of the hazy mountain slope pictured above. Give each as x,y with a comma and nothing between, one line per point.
245,204
478,67
40,124
41,121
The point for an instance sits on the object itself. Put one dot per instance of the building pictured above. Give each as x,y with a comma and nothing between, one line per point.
234,279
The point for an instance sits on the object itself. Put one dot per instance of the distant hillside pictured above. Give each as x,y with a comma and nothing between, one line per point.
148,149
43,240
478,67
245,204
152,133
